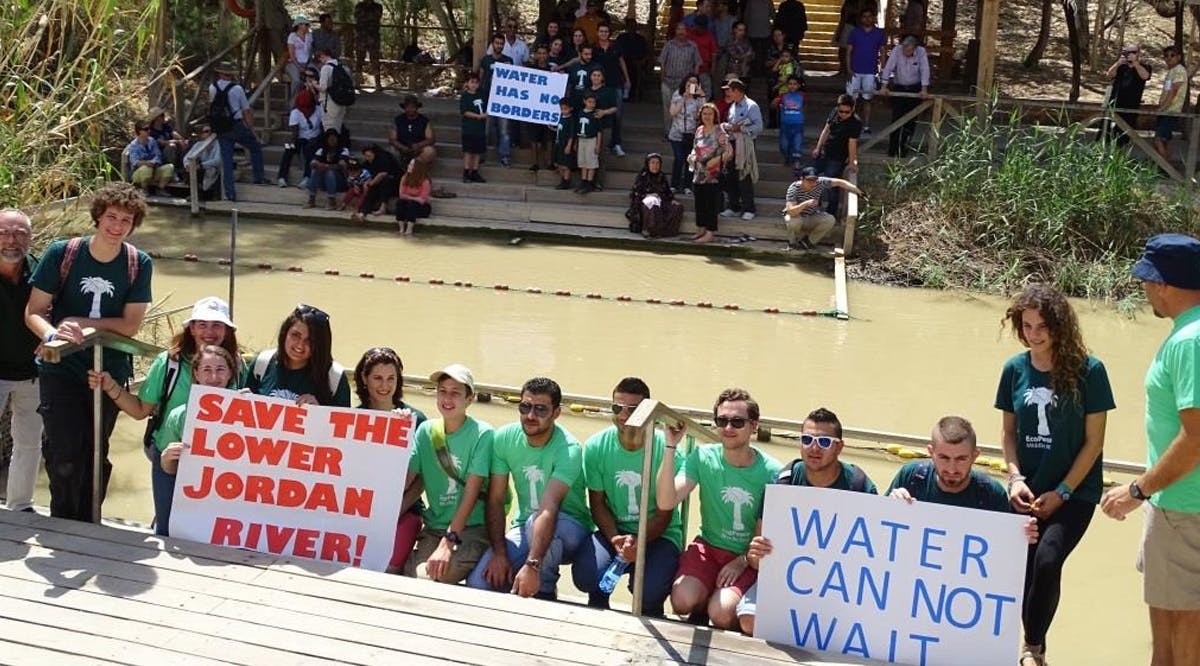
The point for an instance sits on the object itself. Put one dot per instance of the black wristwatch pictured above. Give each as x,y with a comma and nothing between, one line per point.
534,563
453,537
1136,491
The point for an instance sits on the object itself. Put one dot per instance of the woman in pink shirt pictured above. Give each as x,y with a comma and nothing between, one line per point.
414,196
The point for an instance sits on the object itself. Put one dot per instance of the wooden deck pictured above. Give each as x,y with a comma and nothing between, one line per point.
79,593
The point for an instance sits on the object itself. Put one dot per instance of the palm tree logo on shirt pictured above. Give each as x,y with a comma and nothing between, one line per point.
533,475
632,481
98,287
1043,398
452,483
478,105
583,123
739,498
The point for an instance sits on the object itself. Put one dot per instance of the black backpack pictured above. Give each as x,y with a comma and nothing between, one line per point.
341,86
220,116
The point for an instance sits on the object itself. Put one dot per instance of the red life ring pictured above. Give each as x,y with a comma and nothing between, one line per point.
244,12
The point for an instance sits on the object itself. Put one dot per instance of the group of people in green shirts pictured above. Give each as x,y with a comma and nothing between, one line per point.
580,504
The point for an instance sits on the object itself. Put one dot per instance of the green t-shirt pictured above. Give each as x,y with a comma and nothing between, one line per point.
471,452
474,102
919,479
617,472
279,381
94,290
589,126
532,468
730,497
172,427
151,392
418,416
1173,384
1050,427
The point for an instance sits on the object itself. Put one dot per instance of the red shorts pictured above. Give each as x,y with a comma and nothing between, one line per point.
704,561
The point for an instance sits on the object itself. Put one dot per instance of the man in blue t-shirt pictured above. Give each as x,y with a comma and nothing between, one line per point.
818,466
96,282
864,48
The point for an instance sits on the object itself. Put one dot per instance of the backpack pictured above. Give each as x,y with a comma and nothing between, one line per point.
72,251
916,484
857,481
170,380
220,116
341,86
264,359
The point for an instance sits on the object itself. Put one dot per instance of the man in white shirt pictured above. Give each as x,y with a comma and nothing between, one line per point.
333,115
907,70
514,46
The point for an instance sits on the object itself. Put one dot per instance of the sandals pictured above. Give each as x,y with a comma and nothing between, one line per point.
443,193
1037,654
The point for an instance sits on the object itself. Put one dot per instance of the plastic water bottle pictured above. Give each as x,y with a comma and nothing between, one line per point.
612,575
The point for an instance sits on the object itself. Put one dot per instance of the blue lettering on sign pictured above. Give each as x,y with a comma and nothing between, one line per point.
835,581
813,626
1000,600
970,553
859,537
921,592
867,579
974,607
791,578
958,616
926,547
924,640
548,98
814,519
895,528
851,647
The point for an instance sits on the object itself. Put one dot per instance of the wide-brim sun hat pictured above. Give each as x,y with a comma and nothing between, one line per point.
211,308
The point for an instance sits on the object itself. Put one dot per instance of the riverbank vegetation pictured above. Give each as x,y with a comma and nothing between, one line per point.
1004,203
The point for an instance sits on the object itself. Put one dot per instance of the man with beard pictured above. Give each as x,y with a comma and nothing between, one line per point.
18,373
553,524
949,478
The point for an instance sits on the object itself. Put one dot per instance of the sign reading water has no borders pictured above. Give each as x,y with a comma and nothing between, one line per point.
322,483
878,578
529,95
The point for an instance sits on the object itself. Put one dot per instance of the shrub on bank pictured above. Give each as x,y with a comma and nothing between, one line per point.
1004,203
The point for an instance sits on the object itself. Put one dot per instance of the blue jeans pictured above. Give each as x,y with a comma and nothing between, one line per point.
832,169
662,558
570,539
162,488
680,174
330,179
498,127
243,135
791,142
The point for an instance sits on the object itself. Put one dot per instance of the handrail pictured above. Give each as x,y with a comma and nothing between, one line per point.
765,423
648,414
191,162
97,340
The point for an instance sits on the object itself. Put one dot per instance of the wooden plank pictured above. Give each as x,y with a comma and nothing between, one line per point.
20,654
1193,129
78,641
840,297
988,26
1145,146
327,581
897,124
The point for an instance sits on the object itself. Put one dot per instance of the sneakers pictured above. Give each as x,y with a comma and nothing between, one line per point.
563,185
805,245
618,150
728,213
866,131
283,182
747,216
505,162
687,191
476,178
303,184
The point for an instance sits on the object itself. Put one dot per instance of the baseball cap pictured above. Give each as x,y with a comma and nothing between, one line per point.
456,371
1170,259
211,308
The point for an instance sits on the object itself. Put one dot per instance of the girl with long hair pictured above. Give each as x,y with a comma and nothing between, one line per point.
379,383
413,201
1054,398
301,366
685,112
166,388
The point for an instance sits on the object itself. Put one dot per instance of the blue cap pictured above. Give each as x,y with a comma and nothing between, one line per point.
1170,259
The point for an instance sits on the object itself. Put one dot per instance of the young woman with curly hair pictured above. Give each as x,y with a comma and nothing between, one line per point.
1054,397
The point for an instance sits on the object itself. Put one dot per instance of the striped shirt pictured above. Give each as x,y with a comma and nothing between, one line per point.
797,194
678,60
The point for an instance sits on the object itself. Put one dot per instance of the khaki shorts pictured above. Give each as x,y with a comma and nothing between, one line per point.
1169,560
585,153
462,561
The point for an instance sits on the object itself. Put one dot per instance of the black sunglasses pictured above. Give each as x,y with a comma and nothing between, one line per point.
736,422
823,441
305,309
540,411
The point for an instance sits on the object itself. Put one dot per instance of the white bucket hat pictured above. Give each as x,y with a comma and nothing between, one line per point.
211,308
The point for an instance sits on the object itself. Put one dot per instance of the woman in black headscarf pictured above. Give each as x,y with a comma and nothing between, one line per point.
653,210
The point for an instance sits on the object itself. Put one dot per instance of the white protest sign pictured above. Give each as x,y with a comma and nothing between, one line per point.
877,578
322,483
529,95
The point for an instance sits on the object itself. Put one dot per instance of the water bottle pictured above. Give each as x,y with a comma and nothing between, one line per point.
612,575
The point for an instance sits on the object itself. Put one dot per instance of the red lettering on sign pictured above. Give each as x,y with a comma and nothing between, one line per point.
200,443
263,415
226,532
284,540
210,407
336,547
341,422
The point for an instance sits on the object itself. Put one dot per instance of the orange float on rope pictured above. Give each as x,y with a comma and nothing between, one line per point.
402,278
624,298
533,290
332,271
594,295
771,310
265,266
224,261
295,269
653,301
370,276
562,292
191,258
501,287
704,304
436,281
732,306
678,301
237,9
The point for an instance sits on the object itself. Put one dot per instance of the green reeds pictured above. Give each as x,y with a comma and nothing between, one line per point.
1006,202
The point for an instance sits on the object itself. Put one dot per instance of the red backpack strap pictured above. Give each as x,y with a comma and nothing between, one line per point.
68,260
131,260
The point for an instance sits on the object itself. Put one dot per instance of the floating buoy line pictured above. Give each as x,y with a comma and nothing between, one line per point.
466,284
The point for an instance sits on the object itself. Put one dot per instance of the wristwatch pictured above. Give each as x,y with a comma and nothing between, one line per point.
1064,491
1136,491
534,563
453,537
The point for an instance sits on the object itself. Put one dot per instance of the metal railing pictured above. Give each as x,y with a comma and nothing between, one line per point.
97,341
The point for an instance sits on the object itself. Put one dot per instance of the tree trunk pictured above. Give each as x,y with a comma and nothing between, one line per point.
1179,25
442,14
1082,26
1039,47
1076,50
546,9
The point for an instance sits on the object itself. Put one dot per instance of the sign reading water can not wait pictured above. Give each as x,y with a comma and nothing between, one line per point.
528,95
322,483
877,578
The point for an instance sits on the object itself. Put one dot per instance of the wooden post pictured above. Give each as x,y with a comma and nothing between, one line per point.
97,427
639,566
935,127
482,37
1189,168
985,76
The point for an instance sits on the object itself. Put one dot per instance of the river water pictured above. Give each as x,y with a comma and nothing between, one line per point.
906,358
